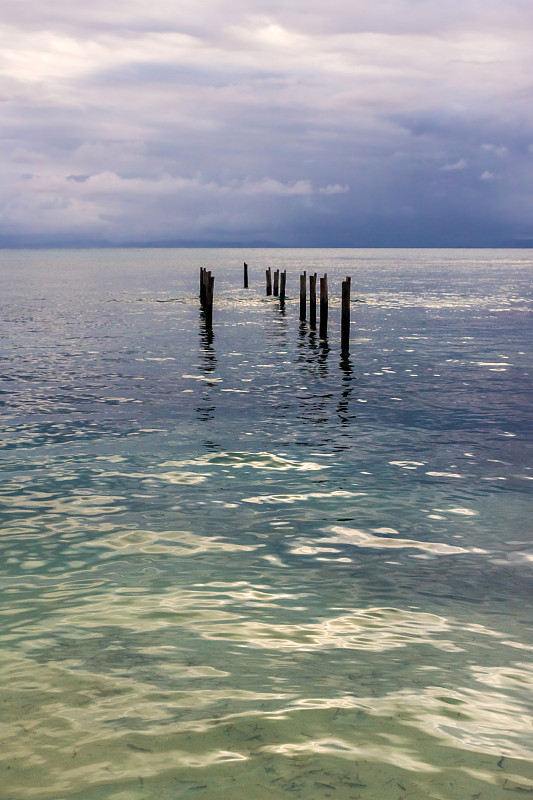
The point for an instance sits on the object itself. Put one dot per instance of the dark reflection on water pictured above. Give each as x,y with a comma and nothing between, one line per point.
302,341
241,562
344,406
207,366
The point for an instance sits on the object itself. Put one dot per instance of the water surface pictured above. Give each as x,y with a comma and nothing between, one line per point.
241,563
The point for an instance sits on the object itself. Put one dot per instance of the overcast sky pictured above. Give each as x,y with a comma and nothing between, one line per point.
295,122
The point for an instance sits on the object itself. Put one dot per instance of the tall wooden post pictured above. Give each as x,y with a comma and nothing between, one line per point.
245,275
345,314
283,282
202,286
312,300
205,284
276,282
324,306
209,291
204,279
303,297
269,281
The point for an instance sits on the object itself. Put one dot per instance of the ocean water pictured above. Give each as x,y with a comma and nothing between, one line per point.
243,564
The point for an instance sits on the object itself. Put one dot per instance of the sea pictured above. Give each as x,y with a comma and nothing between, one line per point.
242,562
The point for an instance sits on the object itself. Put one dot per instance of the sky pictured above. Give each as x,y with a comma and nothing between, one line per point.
297,123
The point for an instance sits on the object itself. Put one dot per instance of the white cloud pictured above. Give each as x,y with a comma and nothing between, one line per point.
273,187
461,164
334,189
500,150
111,183
167,205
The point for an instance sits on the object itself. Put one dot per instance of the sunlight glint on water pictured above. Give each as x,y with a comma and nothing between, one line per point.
242,564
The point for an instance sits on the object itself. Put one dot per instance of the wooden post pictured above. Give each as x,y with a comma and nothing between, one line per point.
312,300
345,314
202,286
209,291
207,276
276,282
245,275
205,279
303,297
269,281
283,282
324,306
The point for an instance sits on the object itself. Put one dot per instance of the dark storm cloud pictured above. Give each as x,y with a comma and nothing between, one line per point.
374,124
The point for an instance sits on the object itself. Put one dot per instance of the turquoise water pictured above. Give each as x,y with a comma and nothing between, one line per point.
243,564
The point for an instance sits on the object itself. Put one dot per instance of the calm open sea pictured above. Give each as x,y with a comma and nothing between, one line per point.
244,565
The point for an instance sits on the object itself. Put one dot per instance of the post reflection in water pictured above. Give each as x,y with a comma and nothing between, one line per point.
277,336
302,343
317,359
312,358
207,366
348,385
313,348
323,353
280,329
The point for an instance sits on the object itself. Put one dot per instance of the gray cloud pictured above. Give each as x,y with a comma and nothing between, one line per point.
395,122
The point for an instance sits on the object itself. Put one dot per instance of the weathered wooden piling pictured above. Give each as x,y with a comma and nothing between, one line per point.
276,282
345,314
303,297
245,275
312,300
202,286
324,306
282,285
268,281
206,275
209,292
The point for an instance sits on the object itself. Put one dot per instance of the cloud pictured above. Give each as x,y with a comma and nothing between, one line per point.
291,121
111,183
273,187
460,164
500,151
101,205
334,189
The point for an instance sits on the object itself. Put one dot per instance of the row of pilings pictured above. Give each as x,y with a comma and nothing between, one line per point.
277,288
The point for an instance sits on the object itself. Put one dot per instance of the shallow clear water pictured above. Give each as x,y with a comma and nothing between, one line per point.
243,564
